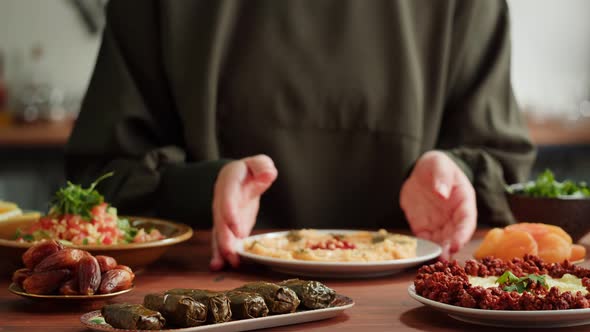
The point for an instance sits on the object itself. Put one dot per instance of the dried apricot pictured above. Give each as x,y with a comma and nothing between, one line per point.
515,244
538,230
553,248
489,245
578,252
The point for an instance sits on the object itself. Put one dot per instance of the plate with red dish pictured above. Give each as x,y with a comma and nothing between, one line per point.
520,293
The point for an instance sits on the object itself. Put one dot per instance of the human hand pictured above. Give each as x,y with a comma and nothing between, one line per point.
236,200
439,202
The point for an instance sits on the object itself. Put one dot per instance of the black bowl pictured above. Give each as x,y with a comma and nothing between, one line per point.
571,214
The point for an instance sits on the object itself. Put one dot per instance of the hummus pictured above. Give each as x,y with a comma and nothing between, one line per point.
313,245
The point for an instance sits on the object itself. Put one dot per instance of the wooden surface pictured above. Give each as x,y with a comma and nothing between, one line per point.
382,304
36,134
559,131
555,131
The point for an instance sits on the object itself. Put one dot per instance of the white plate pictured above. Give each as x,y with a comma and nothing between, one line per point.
509,318
425,251
340,304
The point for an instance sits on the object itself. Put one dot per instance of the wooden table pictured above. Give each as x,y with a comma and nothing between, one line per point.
37,134
382,304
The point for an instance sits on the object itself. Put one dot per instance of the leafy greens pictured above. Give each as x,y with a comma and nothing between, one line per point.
546,186
73,199
511,283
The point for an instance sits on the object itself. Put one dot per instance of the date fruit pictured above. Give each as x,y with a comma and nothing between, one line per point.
88,275
70,287
115,280
45,282
63,259
126,268
35,254
106,263
20,275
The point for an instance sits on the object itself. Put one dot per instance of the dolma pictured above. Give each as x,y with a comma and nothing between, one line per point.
132,317
279,300
179,310
246,305
218,307
313,294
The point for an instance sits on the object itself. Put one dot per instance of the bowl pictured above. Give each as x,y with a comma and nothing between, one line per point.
571,214
134,255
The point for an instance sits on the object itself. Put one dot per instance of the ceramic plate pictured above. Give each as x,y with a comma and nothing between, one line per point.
426,251
15,289
509,318
134,255
94,320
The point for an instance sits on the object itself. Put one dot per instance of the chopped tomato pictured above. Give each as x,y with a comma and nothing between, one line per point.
99,211
46,222
107,240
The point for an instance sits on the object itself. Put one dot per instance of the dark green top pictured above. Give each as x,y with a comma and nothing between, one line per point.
344,96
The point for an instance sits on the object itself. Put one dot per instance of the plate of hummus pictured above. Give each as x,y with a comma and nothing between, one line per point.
337,253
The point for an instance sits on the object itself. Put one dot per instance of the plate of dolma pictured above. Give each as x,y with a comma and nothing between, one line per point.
255,305
424,251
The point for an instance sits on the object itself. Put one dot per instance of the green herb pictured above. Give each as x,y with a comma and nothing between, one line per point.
539,279
129,232
73,199
85,241
293,236
519,287
66,242
18,234
98,320
546,186
507,277
41,234
378,238
513,283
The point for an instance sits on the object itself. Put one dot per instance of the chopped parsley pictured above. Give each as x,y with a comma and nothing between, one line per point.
293,236
129,232
98,320
378,238
26,237
546,186
511,283
73,199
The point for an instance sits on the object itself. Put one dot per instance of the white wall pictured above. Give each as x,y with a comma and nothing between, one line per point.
551,54
551,48
69,49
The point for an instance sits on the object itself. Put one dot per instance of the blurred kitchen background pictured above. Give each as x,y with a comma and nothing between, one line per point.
48,49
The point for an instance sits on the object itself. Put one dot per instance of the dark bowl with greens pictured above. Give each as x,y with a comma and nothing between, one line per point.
545,200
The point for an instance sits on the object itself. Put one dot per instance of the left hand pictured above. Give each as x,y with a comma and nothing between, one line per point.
439,202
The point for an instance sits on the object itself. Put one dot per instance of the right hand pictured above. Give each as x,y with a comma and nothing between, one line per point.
236,200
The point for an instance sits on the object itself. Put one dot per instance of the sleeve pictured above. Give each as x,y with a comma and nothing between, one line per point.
128,124
482,128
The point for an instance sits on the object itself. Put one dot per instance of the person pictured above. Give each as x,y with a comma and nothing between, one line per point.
305,113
